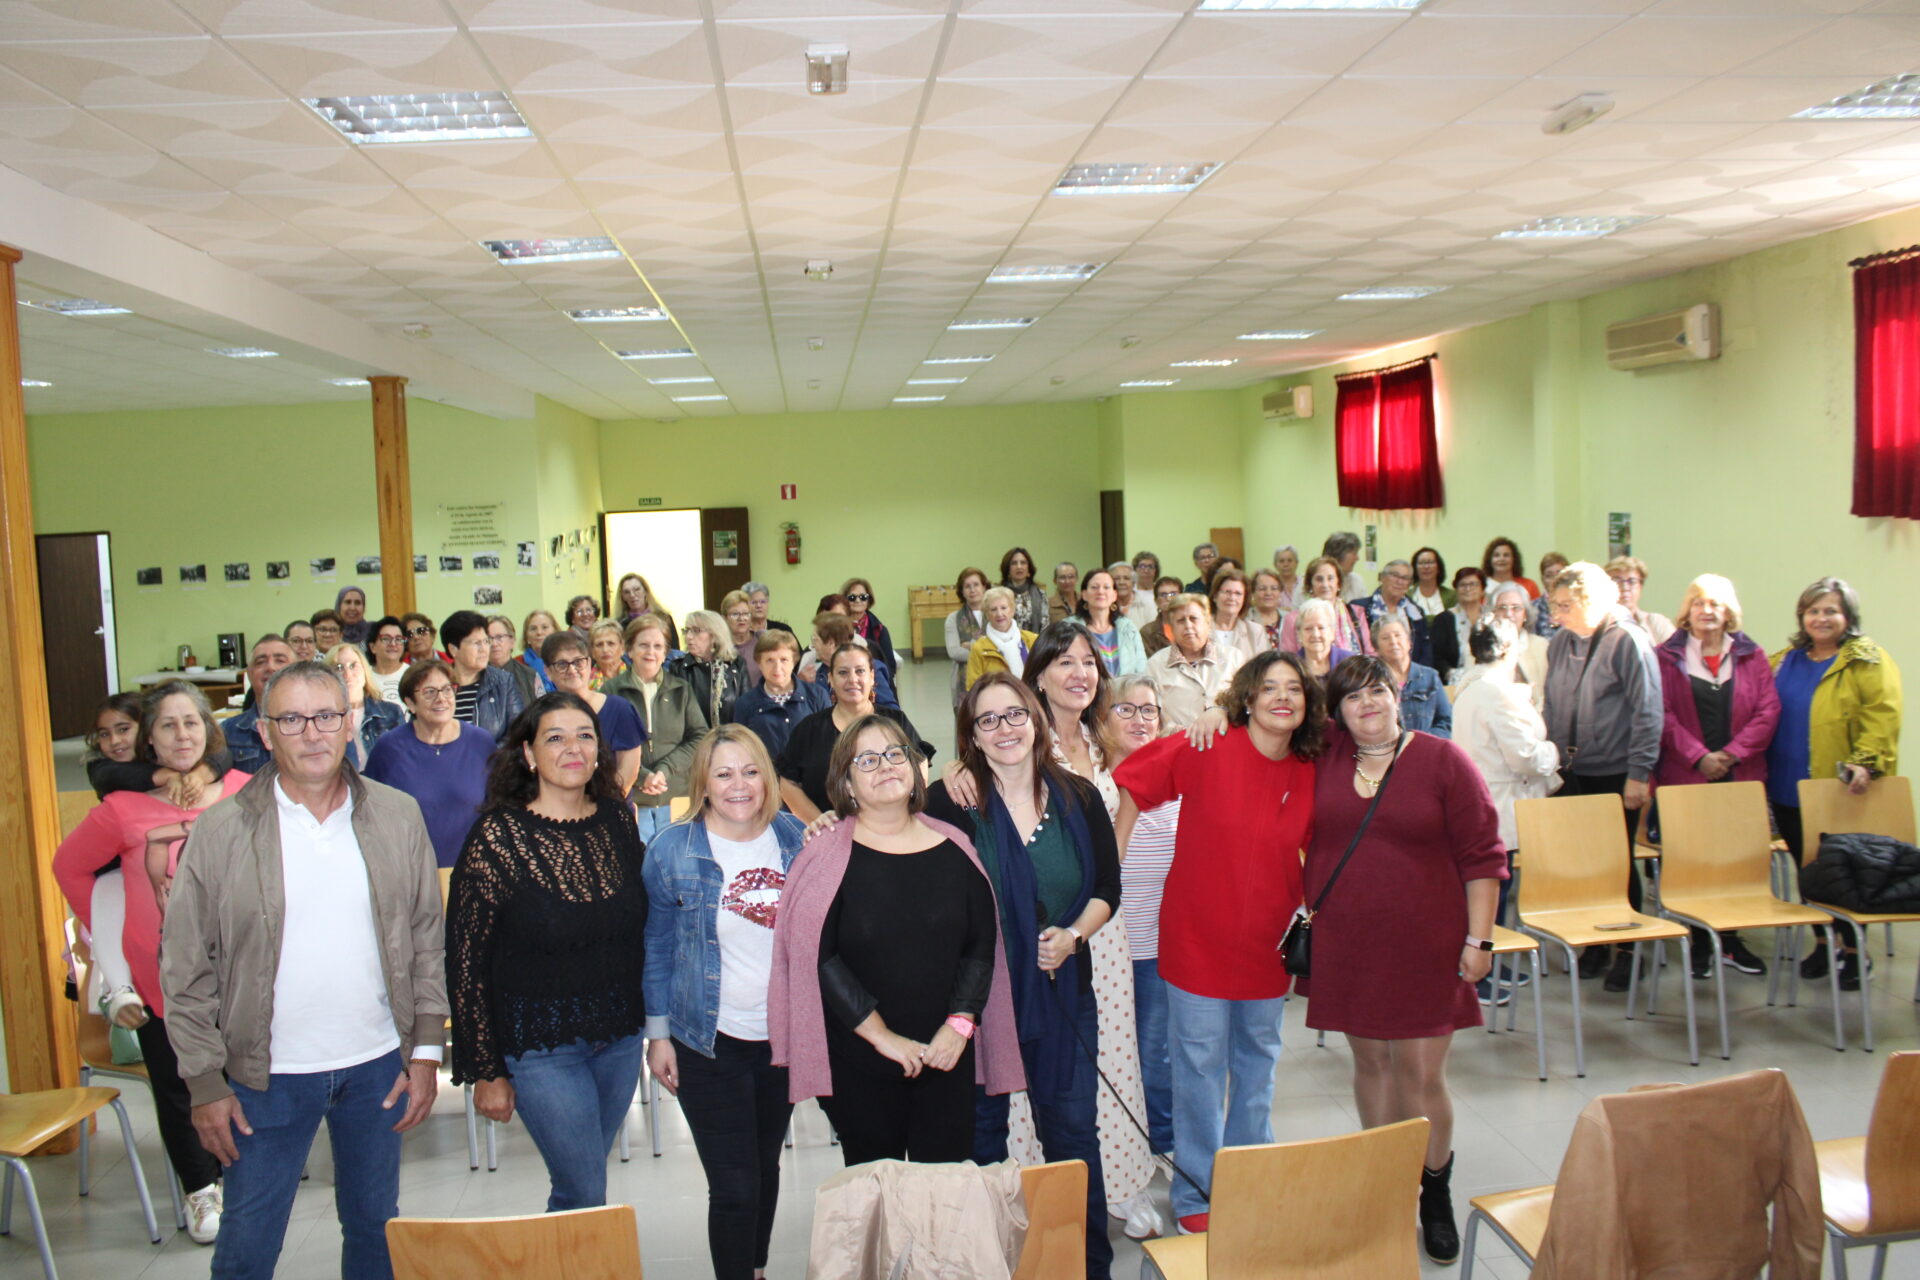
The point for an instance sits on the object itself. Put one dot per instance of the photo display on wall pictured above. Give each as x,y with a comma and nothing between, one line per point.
279,570
367,566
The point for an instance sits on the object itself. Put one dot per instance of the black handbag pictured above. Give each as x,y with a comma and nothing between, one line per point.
1296,947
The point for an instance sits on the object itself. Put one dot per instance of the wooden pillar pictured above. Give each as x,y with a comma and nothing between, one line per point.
39,1023
395,487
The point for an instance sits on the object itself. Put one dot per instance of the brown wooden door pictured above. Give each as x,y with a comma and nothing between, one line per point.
1113,528
74,622
1232,543
723,539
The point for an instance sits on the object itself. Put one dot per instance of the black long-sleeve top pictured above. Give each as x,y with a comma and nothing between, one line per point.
546,924
105,775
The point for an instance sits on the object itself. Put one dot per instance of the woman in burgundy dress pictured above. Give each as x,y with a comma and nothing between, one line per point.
1405,931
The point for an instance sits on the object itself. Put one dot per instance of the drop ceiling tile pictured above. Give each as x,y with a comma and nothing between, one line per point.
619,56
1651,44
1073,103
1864,47
1049,46
280,17
773,51
1254,44
643,156
158,72
789,108
24,20
1485,45
335,65
504,164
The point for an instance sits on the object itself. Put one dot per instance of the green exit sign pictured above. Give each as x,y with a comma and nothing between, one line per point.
649,502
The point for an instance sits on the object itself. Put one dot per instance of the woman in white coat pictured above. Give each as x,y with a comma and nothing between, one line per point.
1496,724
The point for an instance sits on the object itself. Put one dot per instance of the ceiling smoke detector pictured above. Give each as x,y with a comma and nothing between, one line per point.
826,68
814,344
1576,113
416,330
817,269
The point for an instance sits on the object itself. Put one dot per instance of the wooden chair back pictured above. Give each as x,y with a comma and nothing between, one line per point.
446,887
1330,1209
1826,806
1893,1148
1575,848
1715,839
74,808
579,1244
1056,1196
678,808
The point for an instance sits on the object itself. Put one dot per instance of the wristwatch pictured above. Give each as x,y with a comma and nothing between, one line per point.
1479,944
1079,940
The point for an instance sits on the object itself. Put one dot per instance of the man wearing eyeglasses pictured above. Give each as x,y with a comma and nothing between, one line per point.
304,980
270,654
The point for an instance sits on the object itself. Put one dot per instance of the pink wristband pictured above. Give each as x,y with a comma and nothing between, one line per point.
962,1027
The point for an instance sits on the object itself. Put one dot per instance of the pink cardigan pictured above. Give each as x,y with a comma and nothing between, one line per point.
796,1019
1755,712
117,828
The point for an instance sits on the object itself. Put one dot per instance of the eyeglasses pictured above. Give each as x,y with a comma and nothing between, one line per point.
1512,608
437,693
387,639
1628,580
1165,595
860,597
991,720
293,724
416,632
499,639
868,761
1561,606
1145,710
570,664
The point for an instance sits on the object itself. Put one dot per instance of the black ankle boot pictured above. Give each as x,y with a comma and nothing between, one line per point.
1438,1235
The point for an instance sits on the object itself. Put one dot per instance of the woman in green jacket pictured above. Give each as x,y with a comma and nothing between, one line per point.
1839,717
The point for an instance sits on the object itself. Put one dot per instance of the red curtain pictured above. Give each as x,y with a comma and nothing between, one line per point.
1386,452
1886,389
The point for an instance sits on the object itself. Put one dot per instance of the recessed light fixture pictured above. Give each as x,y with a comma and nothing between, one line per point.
1044,275
917,399
667,353
826,68
558,249
695,399
1271,6
675,382
243,353
1151,382
1020,322
1202,364
1132,179
1280,335
1895,98
1571,228
1391,292
34,382
423,117
615,315
76,307
956,359
935,382
818,269
347,382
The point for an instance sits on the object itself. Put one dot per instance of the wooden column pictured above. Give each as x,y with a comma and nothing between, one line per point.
395,487
39,1022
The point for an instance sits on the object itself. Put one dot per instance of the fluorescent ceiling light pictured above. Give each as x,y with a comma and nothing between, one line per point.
559,249
695,399
956,359
1203,364
1571,228
423,117
1895,98
674,382
1132,179
1043,275
243,353
1269,6
1151,382
347,382
826,68
917,399
1013,323
34,382
1280,335
934,382
76,307
614,315
1391,292
669,353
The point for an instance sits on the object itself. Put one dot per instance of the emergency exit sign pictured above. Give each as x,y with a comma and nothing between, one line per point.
647,502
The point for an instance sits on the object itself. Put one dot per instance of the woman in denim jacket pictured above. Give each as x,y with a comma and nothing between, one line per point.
714,882
1423,700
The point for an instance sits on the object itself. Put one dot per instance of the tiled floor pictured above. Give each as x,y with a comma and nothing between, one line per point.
1511,1128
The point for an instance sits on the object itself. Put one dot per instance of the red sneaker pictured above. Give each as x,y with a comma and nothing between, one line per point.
1193,1224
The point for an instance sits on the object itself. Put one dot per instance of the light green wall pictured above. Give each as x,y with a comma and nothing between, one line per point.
1179,460
902,497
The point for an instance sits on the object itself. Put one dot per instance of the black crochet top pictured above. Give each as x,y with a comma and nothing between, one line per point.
546,926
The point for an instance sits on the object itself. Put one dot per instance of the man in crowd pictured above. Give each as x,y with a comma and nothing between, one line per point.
271,654
1205,556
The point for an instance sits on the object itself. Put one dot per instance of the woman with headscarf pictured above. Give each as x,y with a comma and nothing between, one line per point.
351,605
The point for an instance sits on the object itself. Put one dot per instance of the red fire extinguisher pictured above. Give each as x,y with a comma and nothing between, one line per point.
793,543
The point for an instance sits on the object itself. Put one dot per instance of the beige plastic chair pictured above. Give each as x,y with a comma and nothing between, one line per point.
1327,1209
1717,873
579,1244
74,808
1576,895
1827,807
1870,1186
29,1121
1507,942
1056,1196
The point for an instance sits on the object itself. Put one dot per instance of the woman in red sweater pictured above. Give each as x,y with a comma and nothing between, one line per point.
139,831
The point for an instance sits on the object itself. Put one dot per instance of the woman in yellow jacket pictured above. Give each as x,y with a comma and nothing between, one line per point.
1839,717
1002,646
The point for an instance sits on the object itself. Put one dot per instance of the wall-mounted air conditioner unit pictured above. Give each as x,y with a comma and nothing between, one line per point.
1287,405
1668,338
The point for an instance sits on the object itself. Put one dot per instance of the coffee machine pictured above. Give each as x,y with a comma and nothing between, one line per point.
233,650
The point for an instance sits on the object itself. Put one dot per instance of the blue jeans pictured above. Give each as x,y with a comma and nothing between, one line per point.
1156,1065
366,1167
653,820
1224,1053
574,1099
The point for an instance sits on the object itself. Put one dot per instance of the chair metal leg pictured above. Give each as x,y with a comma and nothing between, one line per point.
1653,987
1539,1022
1693,1027
1838,1248
86,1139
1865,943
1466,1247
6,1204
473,1129
1633,982
493,1147
1579,1042
1879,1262
139,1174
15,1165
1720,994
1779,961
789,1138
1793,969
653,1114
1888,929
1321,1041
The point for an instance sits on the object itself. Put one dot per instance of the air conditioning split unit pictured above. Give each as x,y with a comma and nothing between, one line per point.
1285,406
1671,337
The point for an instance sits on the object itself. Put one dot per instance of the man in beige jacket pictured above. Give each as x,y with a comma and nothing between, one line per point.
301,959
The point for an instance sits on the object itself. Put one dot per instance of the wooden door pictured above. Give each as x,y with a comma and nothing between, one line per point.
73,618
1232,543
726,561
1113,528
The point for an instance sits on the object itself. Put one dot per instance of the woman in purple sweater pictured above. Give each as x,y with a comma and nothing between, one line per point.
438,760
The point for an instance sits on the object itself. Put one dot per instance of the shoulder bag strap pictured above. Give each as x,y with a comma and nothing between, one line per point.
1359,831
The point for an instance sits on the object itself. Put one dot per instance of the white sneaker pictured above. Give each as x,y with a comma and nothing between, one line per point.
203,1213
125,1009
1143,1220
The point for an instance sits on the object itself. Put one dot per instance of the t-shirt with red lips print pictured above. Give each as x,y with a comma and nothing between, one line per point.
751,880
